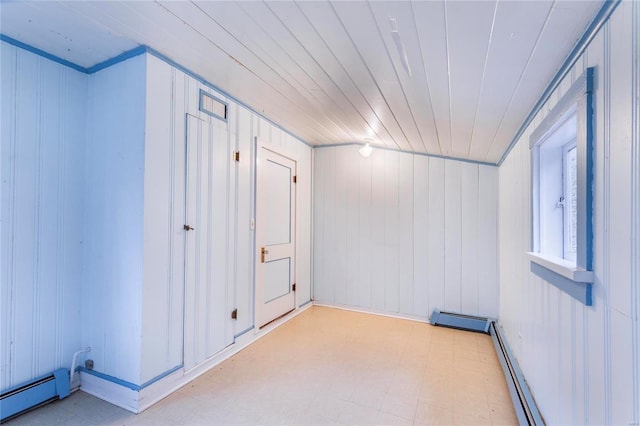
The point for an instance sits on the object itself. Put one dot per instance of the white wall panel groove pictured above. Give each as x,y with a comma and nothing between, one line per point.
43,125
635,212
404,233
582,362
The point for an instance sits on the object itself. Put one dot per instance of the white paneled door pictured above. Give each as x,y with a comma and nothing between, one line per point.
275,235
207,323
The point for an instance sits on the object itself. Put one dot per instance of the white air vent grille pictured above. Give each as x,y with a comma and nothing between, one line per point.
213,106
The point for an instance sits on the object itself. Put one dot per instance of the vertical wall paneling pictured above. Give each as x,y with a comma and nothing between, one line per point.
469,273
43,124
377,211
582,362
594,402
635,213
244,247
421,213
319,188
418,231
406,238
114,219
223,233
436,235
164,207
453,236
104,156
365,230
391,235
339,226
487,218
352,225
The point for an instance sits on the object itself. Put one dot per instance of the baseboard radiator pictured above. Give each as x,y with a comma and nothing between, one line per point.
523,402
34,394
460,321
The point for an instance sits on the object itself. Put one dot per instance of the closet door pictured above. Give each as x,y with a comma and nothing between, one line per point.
207,319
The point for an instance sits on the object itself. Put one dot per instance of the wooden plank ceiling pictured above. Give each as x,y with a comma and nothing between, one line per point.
449,78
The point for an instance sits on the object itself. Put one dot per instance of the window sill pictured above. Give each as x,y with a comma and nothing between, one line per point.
572,280
562,267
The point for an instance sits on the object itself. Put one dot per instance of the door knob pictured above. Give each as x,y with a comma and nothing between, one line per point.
263,253
188,228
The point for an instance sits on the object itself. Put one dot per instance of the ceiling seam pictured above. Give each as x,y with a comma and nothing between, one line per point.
484,72
311,119
336,104
350,78
583,42
426,74
320,111
524,70
344,27
446,37
395,71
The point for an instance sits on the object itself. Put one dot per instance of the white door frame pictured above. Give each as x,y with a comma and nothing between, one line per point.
259,232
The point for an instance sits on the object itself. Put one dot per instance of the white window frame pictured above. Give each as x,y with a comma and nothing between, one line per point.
551,264
567,209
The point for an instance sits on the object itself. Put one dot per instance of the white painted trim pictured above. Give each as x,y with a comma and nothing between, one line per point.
261,332
138,401
562,267
111,392
165,387
374,312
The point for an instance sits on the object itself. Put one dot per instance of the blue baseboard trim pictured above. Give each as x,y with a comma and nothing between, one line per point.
130,385
35,393
582,292
459,321
523,402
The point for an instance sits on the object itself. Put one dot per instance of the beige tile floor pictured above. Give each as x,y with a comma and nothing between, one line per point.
327,366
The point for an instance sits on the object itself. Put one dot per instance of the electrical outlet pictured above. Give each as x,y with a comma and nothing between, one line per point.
88,364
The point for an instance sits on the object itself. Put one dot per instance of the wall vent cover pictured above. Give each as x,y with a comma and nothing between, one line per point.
213,106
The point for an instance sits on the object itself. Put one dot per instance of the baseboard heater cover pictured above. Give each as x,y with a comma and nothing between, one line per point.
460,321
31,395
523,402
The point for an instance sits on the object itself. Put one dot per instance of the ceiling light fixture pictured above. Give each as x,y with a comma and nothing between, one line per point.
402,51
366,150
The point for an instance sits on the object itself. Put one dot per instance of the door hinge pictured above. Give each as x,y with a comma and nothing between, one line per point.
234,314
295,179
236,156
293,287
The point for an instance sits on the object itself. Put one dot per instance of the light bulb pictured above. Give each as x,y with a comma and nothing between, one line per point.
366,150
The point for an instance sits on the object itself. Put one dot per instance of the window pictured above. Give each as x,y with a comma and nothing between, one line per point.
561,156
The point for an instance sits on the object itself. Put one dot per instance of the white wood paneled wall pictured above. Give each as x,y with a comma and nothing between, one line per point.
583,363
92,212
404,233
43,116
171,94
113,219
